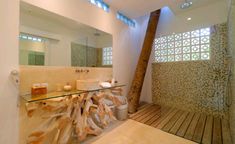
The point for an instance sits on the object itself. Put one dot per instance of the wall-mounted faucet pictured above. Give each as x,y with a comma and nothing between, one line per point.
82,70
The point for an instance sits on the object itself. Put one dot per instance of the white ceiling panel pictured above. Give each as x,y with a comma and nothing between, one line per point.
137,8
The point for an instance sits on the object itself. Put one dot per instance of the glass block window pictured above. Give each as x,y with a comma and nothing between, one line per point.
107,56
125,19
100,4
187,46
30,37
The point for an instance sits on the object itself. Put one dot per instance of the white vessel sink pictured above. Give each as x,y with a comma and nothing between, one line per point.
89,84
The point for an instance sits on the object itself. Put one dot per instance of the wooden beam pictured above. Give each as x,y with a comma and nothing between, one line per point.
137,83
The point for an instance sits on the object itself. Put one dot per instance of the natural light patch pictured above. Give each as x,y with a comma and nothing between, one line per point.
100,4
107,56
30,37
188,46
125,19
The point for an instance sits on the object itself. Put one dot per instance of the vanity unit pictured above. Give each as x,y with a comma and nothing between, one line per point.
56,51
73,115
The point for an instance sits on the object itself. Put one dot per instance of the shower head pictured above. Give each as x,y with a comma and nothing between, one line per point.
186,4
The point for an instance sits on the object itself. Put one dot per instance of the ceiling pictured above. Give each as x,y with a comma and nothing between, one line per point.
137,8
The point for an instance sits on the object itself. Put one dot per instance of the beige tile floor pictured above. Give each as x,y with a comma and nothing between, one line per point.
111,127
132,132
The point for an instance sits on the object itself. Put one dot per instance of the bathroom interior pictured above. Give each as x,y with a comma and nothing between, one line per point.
109,71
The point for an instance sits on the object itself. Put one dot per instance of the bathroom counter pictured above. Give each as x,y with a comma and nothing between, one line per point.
36,98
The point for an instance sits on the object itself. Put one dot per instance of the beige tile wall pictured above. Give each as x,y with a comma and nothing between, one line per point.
58,75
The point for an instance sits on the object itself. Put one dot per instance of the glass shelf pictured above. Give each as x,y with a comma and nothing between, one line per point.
36,98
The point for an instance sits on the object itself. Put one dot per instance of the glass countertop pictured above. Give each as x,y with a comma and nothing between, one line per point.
36,98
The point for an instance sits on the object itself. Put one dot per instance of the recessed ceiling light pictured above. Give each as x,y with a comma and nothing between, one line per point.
186,4
189,18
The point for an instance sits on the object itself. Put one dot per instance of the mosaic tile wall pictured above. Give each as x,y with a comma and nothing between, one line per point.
85,56
195,85
231,29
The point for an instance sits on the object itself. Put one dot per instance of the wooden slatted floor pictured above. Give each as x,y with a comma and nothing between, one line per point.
196,127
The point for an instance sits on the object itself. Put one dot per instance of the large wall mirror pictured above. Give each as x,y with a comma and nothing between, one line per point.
47,39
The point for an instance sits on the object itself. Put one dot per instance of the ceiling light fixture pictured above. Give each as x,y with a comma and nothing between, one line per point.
189,18
186,4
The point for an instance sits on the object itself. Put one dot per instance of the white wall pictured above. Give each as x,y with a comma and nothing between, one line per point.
9,14
57,46
59,52
25,46
170,23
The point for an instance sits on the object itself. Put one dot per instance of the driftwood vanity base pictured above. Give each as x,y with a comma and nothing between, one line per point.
74,116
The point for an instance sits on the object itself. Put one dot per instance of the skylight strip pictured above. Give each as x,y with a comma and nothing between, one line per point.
30,37
125,19
100,4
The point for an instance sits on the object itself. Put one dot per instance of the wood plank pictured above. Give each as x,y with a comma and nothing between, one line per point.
193,126
197,137
172,121
217,137
142,106
146,106
179,122
141,68
166,120
183,128
162,117
191,129
147,113
226,132
157,111
207,136
158,115
140,112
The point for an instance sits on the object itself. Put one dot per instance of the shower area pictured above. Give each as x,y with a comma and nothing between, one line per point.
200,82
231,43
192,86
193,83
197,80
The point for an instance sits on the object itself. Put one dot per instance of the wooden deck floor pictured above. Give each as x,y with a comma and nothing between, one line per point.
196,127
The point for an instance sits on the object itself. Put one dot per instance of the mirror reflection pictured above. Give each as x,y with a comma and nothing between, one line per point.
47,39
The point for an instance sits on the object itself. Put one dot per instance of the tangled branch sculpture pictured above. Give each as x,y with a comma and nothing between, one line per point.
79,115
